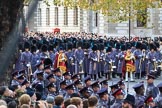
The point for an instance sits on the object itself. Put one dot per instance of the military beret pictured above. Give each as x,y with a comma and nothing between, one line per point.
102,91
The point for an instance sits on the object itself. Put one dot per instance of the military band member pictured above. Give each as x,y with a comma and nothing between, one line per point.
70,58
85,93
39,67
26,83
129,61
129,102
26,56
158,99
93,66
62,89
51,90
78,85
88,82
119,96
158,58
151,88
102,60
122,86
144,60
121,62
51,78
67,77
69,90
113,88
104,83
75,77
57,73
79,58
109,62
139,96
138,60
61,60
14,79
103,98
47,71
35,57
20,78
44,52
51,52
116,58
86,61
95,87
39,78
149,102
151,56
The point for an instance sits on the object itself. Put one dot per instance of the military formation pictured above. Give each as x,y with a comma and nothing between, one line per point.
83,63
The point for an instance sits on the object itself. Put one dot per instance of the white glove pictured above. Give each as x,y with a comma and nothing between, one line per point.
95,59
122,56
131,57
28,65
71,58
154,60
80,62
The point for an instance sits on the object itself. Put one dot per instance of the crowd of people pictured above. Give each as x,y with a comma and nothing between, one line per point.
72,70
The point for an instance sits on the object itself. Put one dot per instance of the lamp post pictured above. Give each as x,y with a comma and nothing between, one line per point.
129,31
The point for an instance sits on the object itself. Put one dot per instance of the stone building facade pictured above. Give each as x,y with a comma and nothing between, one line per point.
47,18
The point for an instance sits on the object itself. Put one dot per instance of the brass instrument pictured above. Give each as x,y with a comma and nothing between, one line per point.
30,73
155,65
81,67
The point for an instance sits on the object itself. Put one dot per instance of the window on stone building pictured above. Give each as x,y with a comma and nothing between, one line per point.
39,17
141,18
47,16
65,16
56,15
96,19
76,16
